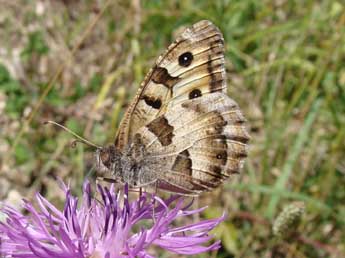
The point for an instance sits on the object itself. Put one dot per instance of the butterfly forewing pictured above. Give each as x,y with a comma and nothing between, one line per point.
192,66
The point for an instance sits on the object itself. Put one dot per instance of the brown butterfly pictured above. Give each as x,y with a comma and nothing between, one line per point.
181,132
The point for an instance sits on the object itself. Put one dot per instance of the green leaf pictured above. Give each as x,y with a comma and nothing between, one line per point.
74,125
4,74
229,237
22,153
36,45
95,82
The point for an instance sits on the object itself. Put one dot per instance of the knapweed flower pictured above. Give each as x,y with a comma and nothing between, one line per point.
106,226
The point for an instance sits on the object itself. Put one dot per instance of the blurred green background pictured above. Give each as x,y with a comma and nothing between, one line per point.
286,69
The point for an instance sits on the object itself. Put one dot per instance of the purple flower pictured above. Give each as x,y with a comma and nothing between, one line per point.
103,227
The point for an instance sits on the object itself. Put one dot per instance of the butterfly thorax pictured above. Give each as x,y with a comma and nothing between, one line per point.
128,166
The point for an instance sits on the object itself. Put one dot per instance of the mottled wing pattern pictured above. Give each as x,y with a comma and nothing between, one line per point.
192,66
199,142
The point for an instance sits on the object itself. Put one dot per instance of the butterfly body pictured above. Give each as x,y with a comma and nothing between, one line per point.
131,166
181,132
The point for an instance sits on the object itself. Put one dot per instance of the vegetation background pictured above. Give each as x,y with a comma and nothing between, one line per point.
286,68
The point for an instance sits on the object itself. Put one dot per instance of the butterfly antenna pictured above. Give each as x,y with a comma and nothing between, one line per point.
79,138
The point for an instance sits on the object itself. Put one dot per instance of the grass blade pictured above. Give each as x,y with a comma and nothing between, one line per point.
291,159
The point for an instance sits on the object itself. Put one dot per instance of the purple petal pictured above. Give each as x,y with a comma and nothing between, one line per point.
105,228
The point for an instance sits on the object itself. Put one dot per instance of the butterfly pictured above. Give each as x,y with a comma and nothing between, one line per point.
181,132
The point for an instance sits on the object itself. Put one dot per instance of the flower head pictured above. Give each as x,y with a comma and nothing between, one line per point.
109,227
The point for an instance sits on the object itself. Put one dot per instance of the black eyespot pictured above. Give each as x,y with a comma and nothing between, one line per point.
222,157
157,104
194,94
154,103
185,59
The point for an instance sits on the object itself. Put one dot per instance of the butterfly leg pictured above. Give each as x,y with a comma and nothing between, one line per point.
106,179
196,216
110,181
154,202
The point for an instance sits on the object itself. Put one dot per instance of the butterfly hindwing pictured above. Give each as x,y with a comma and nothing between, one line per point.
200,141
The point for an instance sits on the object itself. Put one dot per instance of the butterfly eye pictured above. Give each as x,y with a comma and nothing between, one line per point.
105,157
194,94
185,59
